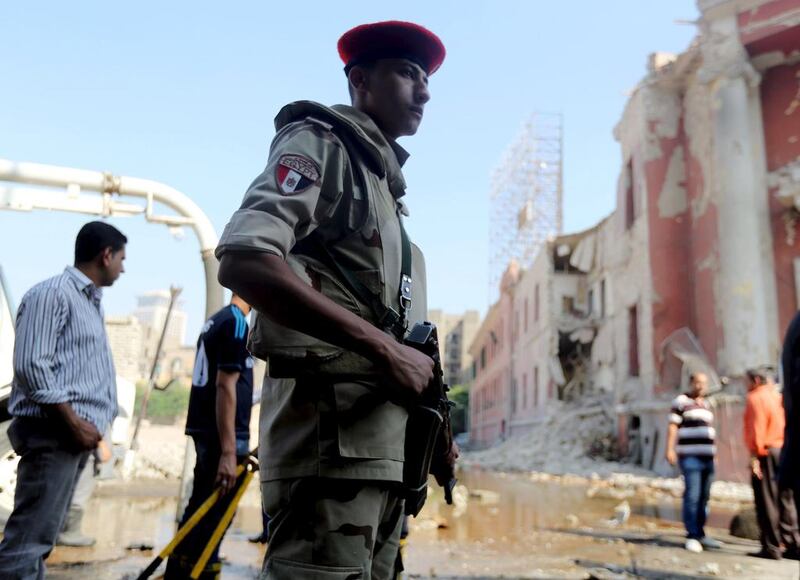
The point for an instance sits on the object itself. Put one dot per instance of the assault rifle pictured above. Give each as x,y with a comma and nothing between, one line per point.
429,434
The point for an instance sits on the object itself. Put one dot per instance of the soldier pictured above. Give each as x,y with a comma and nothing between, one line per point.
319,249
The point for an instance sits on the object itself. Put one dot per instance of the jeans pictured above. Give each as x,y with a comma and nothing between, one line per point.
46,478
698,473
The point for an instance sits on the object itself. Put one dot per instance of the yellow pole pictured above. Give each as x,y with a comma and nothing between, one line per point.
187,527
223,525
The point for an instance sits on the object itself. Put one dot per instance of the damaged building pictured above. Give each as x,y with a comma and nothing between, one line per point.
698,267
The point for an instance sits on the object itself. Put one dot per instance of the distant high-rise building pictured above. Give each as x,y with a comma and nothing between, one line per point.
151,312
125,339
456,332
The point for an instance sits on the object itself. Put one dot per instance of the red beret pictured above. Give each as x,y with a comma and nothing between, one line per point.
392,39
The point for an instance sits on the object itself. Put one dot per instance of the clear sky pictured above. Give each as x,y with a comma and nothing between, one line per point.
185,93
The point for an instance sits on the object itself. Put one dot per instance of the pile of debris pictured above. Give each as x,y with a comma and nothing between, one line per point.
573,438
574,444
160,454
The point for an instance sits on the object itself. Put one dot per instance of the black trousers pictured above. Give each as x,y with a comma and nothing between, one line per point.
186,554
775,509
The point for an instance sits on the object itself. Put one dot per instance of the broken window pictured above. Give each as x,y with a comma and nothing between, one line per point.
574,359
602,298
633,342
524,391
630,205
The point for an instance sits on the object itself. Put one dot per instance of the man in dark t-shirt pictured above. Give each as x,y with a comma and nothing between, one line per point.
219,423
222,346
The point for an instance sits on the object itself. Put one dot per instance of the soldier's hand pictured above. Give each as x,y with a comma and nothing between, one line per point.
226,472
454,454
409,370
672,457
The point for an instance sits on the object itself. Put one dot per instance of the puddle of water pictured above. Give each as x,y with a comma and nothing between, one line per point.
500,510
514,506
523,505
131,514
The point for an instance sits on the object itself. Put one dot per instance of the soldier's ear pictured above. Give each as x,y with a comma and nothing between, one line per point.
358,79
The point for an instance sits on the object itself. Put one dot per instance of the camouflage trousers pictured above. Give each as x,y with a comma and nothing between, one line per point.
332,529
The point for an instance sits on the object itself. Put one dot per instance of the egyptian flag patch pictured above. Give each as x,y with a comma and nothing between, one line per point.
296,173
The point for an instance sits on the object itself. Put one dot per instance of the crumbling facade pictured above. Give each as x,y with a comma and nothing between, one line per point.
704,237
491,353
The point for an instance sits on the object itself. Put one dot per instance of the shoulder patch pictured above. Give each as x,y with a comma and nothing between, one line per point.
296,173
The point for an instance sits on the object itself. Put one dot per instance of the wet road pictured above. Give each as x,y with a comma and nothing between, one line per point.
501,526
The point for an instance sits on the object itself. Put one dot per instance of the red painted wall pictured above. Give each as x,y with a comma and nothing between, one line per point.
760,37
703,258
492,383
669,243
780,96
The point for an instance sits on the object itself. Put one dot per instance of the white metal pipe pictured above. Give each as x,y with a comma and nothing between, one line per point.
56,176
75,180
26,198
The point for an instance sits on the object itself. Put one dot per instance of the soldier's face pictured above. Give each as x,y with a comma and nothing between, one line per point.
394,95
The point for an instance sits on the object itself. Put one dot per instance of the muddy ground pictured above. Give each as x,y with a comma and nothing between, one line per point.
502,526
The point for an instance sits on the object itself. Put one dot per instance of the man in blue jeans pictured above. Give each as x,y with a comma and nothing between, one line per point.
64,395
690,444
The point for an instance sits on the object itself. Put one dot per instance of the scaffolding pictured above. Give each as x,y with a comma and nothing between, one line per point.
526,196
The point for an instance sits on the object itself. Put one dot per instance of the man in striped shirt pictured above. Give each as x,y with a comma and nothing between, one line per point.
690,444
63,396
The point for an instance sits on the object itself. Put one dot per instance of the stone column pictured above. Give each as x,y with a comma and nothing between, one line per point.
746,293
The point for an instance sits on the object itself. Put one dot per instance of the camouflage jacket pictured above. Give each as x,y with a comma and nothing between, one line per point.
333,174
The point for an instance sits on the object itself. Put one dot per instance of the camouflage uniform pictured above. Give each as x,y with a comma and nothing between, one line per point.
331,443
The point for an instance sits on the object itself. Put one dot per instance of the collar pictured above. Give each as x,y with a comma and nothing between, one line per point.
84,284
386,155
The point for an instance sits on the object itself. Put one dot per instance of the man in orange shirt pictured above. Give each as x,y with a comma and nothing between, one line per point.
764,424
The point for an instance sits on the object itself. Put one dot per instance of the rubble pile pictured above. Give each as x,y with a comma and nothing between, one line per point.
570,439
160,453
574,445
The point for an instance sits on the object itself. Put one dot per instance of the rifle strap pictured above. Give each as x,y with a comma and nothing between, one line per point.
386,317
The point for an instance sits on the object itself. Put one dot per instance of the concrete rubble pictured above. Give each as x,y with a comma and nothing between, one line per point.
572,445
160,454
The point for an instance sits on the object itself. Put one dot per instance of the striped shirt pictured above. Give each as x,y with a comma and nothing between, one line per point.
61,353
694,419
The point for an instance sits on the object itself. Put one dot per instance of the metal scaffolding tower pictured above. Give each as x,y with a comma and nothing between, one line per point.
526,196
